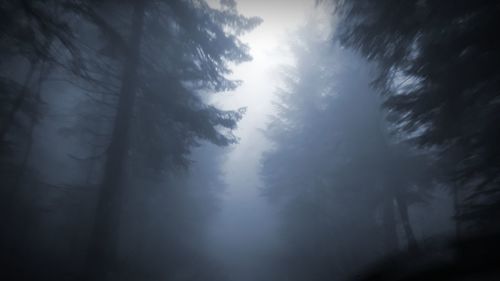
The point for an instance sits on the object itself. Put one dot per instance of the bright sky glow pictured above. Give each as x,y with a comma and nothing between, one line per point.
261,76
245,216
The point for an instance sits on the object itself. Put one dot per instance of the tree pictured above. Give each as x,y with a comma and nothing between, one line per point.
178,50
440,82
148,67
343,183
33,38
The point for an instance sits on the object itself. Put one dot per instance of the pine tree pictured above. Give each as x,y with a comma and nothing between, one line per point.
439,77
175,53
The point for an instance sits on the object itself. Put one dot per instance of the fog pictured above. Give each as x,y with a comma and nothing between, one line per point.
245,234
245,140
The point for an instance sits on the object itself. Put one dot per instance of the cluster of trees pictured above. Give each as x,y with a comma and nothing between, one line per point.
131,78
103,104
343,183
397,106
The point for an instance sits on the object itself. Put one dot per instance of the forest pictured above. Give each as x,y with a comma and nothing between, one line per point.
249,140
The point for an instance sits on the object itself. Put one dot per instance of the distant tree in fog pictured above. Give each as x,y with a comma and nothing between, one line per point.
343,183
33,37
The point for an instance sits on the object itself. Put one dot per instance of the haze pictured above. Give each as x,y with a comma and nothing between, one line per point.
241,140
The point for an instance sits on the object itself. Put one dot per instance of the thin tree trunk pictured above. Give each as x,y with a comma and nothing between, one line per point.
33,121
16,208
456,205
405,219
27,212
389,221
5,127
18,102
103,241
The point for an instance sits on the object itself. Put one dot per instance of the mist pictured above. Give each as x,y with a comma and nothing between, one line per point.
241,140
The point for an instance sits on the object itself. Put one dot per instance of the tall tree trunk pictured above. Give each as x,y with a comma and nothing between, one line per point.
103,241
18,209
389,221
26,214
405,219
5,127
456,205
18,101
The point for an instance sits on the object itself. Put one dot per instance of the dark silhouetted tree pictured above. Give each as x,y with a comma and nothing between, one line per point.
438,73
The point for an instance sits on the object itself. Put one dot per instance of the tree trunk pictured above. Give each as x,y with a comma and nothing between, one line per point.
4,129
26,214
18,102
405,219
17,208
389,221
456,205
103,241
